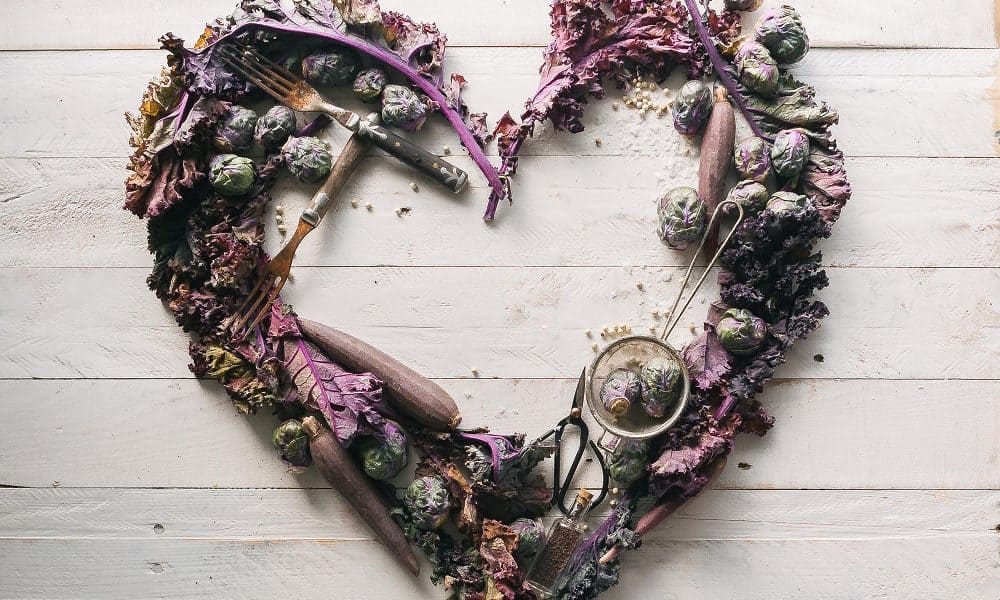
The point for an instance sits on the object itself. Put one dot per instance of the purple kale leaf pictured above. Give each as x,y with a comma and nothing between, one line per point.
707,361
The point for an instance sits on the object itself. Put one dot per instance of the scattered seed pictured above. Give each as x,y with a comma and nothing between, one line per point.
369,207
475,371
597,141
604,334
594,346
414,186
588,333
691,328
614,106
280,209
655,312
652,329
447,149
640,285
354,203
281,229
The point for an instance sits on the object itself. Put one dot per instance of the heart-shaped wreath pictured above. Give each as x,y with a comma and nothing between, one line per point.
206,231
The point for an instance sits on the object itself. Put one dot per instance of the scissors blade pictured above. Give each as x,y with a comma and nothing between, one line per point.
581,389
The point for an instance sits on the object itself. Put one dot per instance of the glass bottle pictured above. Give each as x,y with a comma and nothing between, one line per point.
560,544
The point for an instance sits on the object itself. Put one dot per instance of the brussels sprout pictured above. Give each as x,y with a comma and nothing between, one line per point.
790,152
331,67
743,4
402,107
308,158
740,331
752,196
235,132
692,107
681,217
785,203
660,376
627,464
368,85
384,458
292,443
753,159
274,127
427,502
231,175
620,391
756,69
530,537
780,30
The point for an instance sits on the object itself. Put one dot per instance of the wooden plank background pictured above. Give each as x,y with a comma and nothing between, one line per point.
121,476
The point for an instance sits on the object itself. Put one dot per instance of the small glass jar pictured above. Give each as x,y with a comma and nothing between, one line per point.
560,545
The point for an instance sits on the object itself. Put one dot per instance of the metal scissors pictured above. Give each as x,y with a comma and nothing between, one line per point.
575,418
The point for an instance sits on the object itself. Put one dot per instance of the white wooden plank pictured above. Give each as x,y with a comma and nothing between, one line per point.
937,567
315,514
586,219
509,321
891,109
829,434
138,23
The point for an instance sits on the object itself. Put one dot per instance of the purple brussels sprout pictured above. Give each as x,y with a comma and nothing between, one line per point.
368,85
620,391
790,152
274,126
660,376
743,4
627,464
235,132
402,107
756,69
231,175
530,538
752,196
692,107
681,217
781,31
782,203
740,332
331,67
292,444
308,158
384,457
753,159
428,502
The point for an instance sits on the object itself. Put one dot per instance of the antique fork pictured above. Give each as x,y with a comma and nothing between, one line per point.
292,91
265,291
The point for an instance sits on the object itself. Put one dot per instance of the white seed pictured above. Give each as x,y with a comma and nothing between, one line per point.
640,285
280,209
369,207
604,334
652,329
597,141
447,149
399,211
281,229
588,333
691,328
414,186
475,371
594,346
614,106
354,203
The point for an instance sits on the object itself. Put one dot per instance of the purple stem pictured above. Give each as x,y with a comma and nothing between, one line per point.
722,69
427,87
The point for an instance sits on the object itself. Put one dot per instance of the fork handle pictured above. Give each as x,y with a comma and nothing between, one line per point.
442,171
348,160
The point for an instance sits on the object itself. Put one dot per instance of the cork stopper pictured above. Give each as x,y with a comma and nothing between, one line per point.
312,427
584,496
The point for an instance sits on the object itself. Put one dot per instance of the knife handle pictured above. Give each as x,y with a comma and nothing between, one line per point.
443,172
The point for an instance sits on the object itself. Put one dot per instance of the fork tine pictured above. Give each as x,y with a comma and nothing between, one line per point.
265,307
240,317
252,79
269,66
274,87
259,307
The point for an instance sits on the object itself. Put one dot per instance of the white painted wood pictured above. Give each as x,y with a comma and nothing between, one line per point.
883,113
52,24
184,433
509,321
941,212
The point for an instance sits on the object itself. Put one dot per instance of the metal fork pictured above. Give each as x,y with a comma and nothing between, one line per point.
292,91
262,296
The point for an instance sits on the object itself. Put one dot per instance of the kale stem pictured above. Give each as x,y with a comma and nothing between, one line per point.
721,68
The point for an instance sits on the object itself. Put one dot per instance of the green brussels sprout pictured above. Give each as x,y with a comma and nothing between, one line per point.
308,158
235,132
427,502
627,464
692,107
756,69
753,159
660,376
780,30
331,67
402,107
743,4
384,458
231,175
790,152
530,538
752,196
785,203
368,85
681,217
274,127
292,443
740,331
620,390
